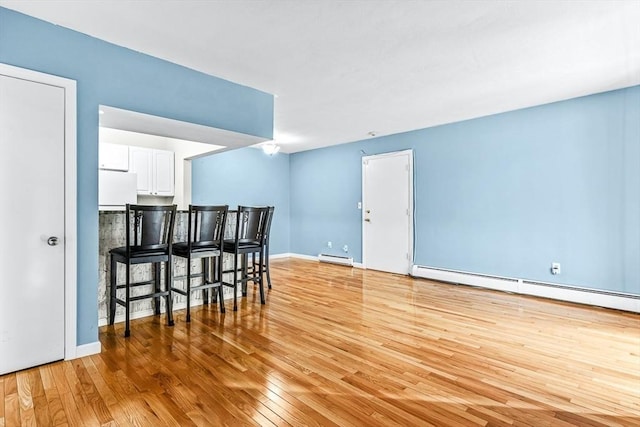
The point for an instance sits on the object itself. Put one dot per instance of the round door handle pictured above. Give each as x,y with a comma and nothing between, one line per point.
52,241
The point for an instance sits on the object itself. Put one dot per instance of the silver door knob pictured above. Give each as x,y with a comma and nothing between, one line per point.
52,241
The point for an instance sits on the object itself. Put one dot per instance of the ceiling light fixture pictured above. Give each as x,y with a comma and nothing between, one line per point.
270,148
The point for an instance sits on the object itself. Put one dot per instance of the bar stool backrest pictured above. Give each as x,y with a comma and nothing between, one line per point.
250,224
206,225
150,228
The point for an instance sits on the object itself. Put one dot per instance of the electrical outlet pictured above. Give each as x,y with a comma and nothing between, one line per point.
329,245
555,268
345,248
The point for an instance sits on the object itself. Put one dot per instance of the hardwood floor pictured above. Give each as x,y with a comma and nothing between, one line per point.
336,346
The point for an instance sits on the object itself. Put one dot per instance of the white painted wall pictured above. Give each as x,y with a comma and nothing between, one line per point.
184,152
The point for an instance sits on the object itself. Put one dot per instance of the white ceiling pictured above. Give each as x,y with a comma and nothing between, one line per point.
341,69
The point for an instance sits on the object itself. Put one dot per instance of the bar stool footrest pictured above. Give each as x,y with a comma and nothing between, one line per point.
147,282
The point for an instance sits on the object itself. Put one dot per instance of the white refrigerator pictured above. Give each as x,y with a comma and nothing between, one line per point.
115,189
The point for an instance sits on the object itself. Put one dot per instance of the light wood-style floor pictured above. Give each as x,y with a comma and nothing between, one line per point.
336,346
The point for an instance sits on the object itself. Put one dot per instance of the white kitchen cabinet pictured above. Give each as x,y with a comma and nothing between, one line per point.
155,170
113,156
163,173
140,160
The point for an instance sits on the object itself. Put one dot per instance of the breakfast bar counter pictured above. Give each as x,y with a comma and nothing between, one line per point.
112,235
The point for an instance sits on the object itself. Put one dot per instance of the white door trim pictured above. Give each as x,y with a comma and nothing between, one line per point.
409,154
70,197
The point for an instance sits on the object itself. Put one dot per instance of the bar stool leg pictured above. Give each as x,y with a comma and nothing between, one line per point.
266,263
127,300
244,275
205,278
261,277
235,281
217,276
167,285
188,288
156,285
114,283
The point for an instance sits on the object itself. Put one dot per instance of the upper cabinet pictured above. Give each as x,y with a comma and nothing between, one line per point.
113,157
163,173
140,160
155,169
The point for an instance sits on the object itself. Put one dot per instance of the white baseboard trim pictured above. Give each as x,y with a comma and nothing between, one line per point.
581,295
88,349
279,256
300,256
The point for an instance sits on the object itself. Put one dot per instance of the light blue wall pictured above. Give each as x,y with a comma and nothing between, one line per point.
325,191
505,194
246,177
115,76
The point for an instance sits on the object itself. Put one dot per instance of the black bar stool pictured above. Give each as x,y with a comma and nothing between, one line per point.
149,235
249,238
205,234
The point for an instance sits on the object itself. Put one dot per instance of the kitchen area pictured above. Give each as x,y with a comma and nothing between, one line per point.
128,172
145,169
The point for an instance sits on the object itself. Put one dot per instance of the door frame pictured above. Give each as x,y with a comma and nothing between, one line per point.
70,196
409,154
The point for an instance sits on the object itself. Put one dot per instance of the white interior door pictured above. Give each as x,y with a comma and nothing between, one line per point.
32,223
388,212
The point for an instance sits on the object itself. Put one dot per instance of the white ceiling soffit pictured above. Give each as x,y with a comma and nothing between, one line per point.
341,69
116,118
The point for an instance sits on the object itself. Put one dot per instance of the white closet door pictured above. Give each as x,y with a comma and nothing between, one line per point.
32,318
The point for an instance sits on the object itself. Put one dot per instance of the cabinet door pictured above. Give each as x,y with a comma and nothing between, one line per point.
141,163
163,162
114,156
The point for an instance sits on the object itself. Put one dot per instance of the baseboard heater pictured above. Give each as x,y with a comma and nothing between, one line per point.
582,295
336,259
